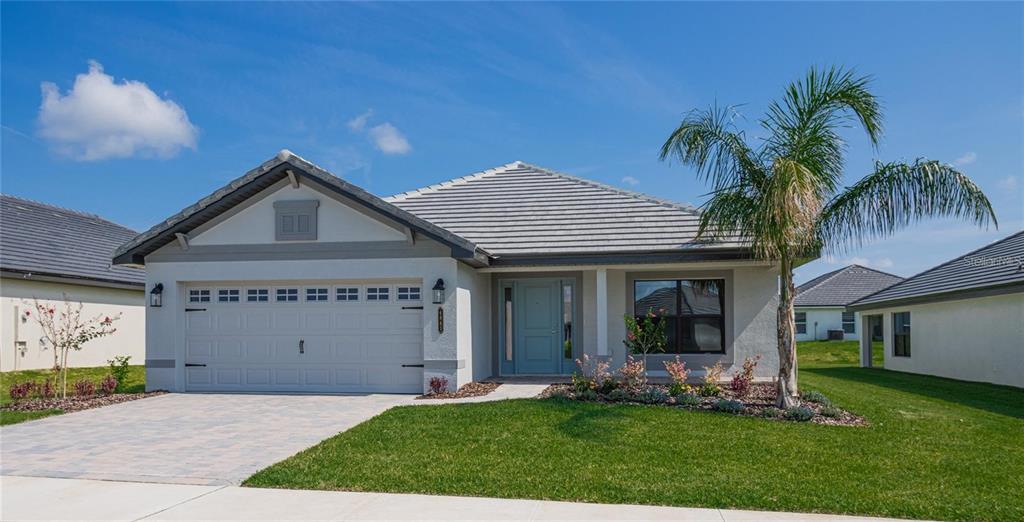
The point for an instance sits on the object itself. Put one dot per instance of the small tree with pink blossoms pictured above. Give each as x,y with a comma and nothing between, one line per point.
677,370
645,335
66,330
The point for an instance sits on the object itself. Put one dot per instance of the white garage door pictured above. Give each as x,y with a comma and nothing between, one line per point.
315,337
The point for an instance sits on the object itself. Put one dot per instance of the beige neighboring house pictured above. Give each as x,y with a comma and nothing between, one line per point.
48,251
291,279
963,319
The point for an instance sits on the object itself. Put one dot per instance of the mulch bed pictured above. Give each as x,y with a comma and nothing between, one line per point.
75,403
473,389
758,402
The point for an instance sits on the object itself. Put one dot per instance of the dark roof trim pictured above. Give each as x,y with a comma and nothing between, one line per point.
258,179
624,258
31,275
955,295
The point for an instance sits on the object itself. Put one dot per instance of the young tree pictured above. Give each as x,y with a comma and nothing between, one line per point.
65,331
783,196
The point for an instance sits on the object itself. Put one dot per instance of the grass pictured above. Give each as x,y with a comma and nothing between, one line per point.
936,448
136,383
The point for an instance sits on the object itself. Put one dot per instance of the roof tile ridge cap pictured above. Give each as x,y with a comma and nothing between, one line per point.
67,210
907,280
603,186
204,201
877,271
831,275
429,189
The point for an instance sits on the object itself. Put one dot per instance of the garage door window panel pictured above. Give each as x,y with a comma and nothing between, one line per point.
378,293
199,296
408,293
287,295
257,295
228,295
317,295
347,293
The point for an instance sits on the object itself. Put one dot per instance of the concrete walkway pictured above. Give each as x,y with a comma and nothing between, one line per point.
29,498
505,391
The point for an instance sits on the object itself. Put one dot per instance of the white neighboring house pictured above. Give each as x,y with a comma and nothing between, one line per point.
820,304
47,251
967,317
290,279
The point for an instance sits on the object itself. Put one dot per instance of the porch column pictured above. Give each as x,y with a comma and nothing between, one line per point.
602,311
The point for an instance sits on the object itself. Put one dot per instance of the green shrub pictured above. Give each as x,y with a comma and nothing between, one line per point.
799,413
652,395
709,390
560,394
619,395
831,411
729,406
816,397
689,400
587,395
771,413
119,369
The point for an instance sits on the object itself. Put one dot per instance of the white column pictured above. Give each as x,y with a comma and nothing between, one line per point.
602,311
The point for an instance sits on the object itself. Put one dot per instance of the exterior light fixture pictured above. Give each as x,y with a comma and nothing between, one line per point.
156,296
439,291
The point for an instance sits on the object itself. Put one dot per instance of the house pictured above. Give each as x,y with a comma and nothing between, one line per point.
820,304
47,252
290,279
967,317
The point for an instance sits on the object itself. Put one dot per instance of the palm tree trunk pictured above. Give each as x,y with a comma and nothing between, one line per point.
787,388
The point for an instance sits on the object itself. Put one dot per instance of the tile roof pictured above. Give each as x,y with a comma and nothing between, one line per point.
1000,264
46,240
520,209
844,286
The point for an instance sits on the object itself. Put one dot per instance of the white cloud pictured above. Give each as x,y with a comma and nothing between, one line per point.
100,118
631,181
389,140
966,159
1009,183
358,123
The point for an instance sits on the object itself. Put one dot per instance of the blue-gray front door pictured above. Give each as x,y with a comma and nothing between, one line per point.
538,330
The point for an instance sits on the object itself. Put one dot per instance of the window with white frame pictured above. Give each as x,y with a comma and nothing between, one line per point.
198,296
287,295
849,322
318,294
347,293
377,293
257,295
800,318
228,295
408,293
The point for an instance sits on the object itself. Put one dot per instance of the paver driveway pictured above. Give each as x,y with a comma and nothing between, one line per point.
182,438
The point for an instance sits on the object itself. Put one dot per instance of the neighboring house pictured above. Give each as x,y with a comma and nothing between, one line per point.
47,252
290,279
967,317
820,304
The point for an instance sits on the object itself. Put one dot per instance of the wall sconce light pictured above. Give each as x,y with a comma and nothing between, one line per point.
439,291
156,296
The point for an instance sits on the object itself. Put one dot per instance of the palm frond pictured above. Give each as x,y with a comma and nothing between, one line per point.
896,195
709,141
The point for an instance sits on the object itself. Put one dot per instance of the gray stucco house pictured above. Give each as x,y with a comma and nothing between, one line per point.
291,279
820,304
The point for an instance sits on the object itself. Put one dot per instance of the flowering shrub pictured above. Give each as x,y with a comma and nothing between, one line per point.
19,391
677,371
438,384
85,388
742,380
633,375
646,335
46,390
108,385
712,375
593,374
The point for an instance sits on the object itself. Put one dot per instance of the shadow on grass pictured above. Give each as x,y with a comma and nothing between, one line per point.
1002,400
593,424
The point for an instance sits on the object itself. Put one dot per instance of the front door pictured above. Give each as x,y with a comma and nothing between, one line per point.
538,332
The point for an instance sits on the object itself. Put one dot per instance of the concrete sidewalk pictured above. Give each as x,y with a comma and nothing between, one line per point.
31,498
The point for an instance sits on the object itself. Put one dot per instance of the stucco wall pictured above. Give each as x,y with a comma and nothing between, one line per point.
826,319
17,294
979,339
474,303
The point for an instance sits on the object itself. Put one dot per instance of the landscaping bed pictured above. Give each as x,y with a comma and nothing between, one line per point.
74,403
473,389
758,402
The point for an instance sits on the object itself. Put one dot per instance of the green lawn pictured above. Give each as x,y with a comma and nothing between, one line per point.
936,448
136,383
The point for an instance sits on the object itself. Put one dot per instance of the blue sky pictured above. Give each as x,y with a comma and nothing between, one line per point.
450,89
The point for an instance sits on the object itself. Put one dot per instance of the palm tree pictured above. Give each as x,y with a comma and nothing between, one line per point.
784,197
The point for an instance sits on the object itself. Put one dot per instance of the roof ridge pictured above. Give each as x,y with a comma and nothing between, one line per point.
598,184
402,196
827,276
67,210
875,270
940,265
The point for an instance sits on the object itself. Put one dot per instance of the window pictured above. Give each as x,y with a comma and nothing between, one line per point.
317,294
901,334
285,295
801,322
693,310
408,293
257,295
566,320
377,293
295,220
227,296
347,294
849,322
199,296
